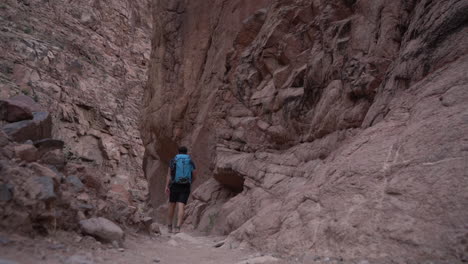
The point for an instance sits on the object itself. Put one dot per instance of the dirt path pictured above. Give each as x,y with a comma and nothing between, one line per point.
71,248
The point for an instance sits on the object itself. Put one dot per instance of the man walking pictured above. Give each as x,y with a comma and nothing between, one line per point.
178,182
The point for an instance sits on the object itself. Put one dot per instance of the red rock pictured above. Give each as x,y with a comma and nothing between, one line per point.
26,152
13,111
120,192
38,128
357,137
27,101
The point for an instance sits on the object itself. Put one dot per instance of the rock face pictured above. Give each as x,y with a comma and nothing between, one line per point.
85,62
43,190
331,127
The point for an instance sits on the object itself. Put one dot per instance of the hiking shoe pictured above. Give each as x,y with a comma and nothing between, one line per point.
169,229
177,229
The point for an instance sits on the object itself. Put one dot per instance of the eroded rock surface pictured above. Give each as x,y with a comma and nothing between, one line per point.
85,63
332,127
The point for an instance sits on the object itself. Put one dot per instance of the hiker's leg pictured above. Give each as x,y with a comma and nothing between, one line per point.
180,213
170,214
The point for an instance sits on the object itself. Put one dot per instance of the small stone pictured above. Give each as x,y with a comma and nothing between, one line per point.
47,191
41,188
219,244
79,259
115,244
258,260
81,216
147,219
156,260
84,206
75,183
154,228
121,250
173,243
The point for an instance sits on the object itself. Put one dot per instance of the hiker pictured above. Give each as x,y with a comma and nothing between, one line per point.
180,176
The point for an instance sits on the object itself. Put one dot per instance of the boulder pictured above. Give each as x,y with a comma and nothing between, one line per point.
102,229
39,127
26,152
13,111
28,102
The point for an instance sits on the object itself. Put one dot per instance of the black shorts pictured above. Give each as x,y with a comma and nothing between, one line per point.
179,193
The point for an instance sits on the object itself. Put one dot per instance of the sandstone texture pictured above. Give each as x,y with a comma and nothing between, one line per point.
331,128
84,62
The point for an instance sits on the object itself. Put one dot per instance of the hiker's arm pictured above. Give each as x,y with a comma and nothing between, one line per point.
194,175
168,180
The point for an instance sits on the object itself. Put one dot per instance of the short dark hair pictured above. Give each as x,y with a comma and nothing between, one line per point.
183,150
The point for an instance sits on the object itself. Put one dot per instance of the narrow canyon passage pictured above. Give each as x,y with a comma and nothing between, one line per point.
323,131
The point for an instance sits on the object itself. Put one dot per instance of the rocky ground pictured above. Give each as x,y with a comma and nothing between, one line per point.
74,248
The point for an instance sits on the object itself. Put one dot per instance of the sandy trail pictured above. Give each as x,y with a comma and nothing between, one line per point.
67,248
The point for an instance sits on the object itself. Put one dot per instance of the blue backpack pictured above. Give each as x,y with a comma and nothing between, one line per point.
183,168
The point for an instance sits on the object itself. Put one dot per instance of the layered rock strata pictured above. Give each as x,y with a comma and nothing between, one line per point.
323,127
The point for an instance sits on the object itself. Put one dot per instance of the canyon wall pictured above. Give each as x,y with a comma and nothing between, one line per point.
318,127
85,62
